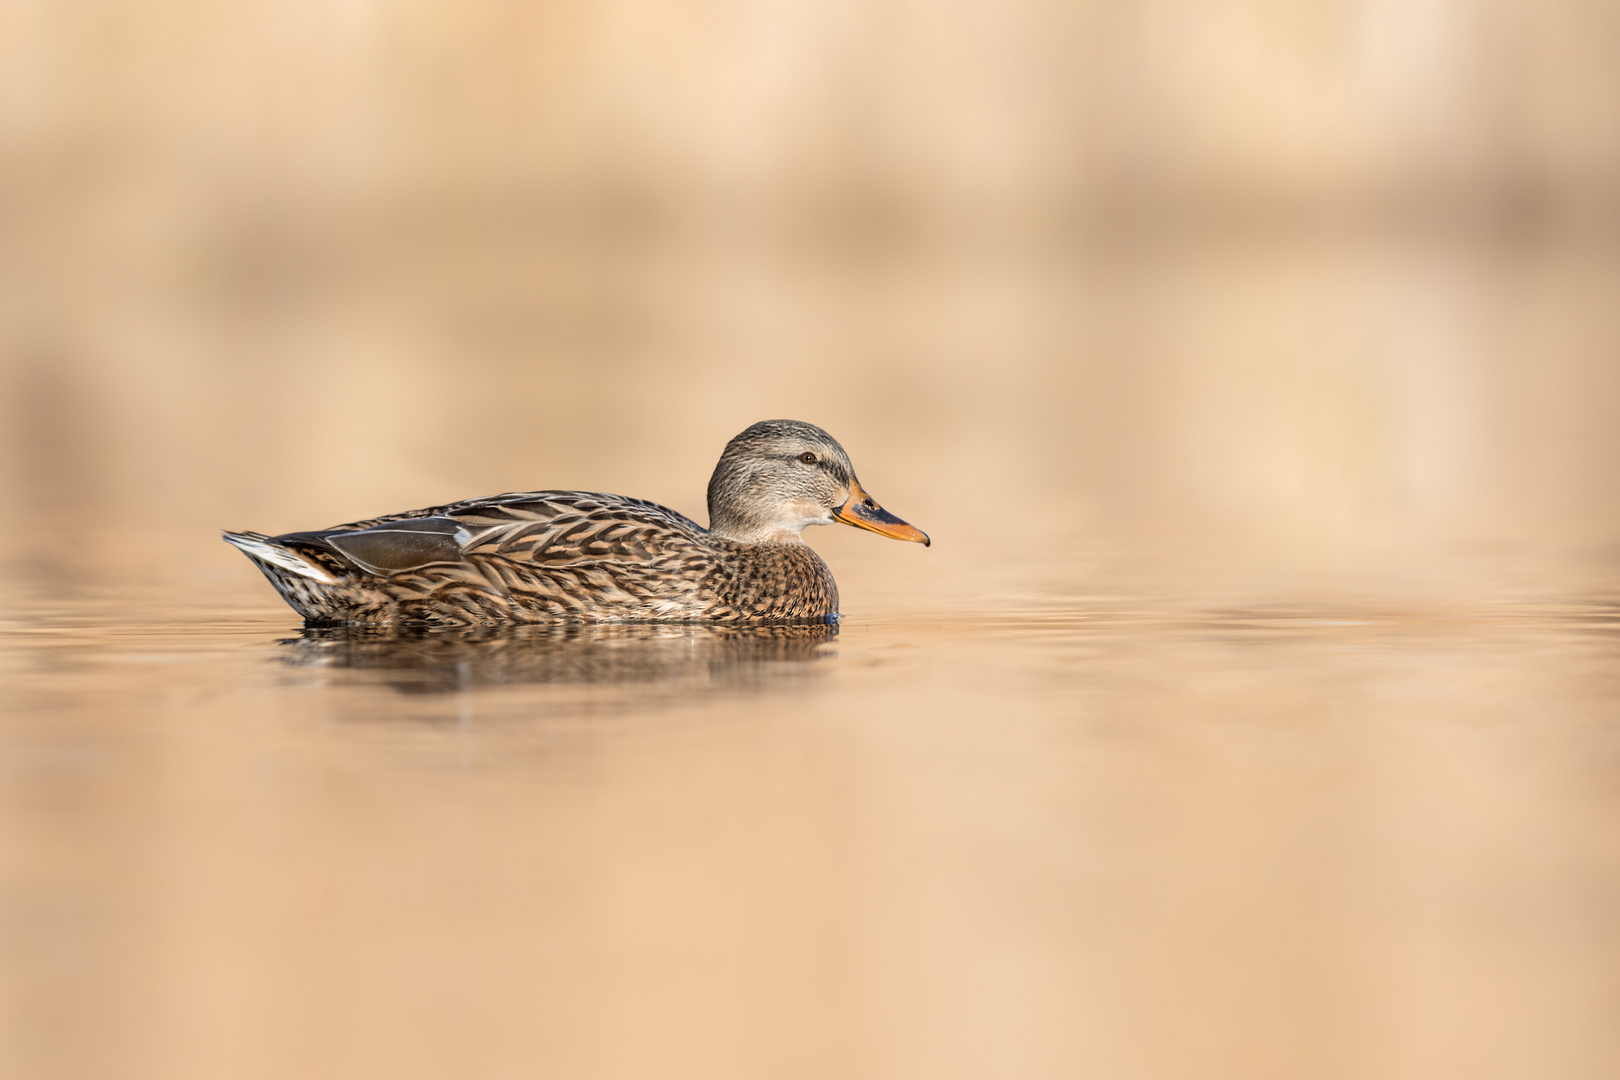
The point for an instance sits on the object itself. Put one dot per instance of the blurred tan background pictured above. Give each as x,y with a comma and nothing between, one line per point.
1168,303
1283,295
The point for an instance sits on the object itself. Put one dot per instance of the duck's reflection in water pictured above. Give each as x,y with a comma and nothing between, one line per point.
434,661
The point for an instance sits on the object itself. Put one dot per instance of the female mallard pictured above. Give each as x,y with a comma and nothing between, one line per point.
549,556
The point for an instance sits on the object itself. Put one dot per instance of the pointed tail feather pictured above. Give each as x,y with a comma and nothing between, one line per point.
262,549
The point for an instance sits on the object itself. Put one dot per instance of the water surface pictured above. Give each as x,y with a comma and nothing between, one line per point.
1149,839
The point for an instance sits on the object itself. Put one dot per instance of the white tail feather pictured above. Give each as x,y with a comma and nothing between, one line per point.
275,555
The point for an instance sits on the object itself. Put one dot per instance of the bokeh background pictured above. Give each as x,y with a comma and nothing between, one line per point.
1262,296
1253,364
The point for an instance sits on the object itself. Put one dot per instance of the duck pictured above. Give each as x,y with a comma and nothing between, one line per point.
578,556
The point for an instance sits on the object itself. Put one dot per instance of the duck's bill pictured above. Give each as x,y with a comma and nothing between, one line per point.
863,512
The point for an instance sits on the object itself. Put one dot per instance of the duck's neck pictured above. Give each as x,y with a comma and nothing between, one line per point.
781,523
760,533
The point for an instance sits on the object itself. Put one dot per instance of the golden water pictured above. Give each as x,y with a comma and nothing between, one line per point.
1089,839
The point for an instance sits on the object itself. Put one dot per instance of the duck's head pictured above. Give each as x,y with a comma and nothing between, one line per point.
781,475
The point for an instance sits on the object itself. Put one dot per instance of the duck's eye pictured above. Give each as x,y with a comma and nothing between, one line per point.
808,458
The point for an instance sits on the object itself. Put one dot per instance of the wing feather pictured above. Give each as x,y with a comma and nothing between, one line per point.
541,529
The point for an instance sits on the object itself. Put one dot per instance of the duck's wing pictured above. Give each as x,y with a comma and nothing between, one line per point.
538,528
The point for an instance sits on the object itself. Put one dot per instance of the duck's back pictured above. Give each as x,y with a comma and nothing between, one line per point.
540,556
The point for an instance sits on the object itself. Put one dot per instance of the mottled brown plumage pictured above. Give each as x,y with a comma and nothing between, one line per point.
554,556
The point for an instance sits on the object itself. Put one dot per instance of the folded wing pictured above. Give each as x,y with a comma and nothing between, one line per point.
550,529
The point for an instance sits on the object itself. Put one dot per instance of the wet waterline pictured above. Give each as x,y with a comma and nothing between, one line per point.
684,654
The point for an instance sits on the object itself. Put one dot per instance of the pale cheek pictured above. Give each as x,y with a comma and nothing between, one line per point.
807,511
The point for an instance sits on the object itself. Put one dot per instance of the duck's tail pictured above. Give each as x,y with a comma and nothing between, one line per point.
276,560
309,588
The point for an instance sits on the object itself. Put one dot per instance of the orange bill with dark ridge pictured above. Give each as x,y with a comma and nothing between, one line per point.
863,512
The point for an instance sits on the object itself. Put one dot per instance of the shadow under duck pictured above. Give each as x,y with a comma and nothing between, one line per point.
552,556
